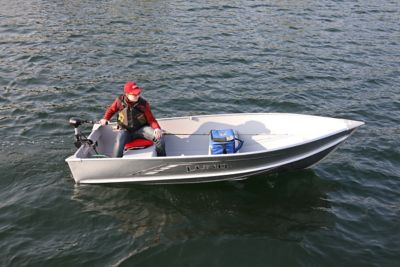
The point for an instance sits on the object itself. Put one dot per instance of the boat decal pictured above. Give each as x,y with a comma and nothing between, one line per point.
160,169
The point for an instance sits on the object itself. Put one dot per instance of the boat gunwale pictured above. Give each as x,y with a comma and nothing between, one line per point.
254,113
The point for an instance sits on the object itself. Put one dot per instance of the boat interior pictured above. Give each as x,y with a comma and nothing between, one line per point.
180,144
190,136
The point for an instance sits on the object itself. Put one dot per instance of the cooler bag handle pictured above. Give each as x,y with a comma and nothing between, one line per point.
240,144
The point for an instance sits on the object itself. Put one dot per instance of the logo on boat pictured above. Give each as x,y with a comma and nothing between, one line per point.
205,167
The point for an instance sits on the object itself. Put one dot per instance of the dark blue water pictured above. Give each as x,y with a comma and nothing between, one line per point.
71,58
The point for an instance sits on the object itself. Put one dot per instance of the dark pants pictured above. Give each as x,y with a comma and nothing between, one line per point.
146,132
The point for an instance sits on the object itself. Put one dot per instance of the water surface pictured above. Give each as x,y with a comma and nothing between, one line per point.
71,58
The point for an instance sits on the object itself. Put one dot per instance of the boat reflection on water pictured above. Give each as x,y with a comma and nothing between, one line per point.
283,206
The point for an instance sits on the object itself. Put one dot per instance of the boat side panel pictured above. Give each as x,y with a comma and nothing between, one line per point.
297,165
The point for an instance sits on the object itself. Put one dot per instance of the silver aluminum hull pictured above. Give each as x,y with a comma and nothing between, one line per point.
205,168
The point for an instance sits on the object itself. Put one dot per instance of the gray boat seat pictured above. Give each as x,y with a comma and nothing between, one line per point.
147,152
140,148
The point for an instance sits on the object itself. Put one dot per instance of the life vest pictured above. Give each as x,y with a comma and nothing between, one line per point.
132,118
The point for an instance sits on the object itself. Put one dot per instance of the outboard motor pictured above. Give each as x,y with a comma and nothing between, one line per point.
79,136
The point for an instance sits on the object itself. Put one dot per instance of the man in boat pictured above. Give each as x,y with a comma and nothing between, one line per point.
135,120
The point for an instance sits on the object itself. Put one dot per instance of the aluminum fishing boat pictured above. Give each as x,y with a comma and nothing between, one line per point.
272,142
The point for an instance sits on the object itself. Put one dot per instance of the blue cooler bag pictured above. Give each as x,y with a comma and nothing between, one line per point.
224,142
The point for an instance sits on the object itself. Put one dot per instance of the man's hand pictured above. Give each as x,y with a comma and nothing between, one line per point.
103,122
158,134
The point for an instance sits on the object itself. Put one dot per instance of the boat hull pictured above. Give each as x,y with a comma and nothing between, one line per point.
200,169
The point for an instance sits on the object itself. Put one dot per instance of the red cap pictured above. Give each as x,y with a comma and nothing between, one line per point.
132,88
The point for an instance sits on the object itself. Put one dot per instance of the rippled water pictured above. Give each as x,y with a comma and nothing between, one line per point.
71,58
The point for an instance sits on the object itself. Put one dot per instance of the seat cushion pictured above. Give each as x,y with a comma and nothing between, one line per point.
138,144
